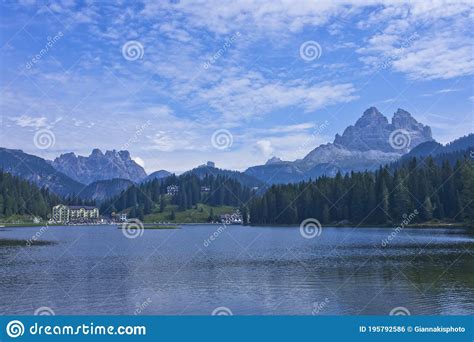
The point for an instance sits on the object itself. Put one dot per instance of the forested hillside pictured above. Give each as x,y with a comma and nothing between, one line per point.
152,196
436,190
20,197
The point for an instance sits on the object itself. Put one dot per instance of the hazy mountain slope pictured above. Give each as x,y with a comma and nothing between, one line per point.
160,174
105,189
456,147
99,166
38,171
243,178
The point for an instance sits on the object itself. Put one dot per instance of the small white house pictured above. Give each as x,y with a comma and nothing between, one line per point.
123,217
172,189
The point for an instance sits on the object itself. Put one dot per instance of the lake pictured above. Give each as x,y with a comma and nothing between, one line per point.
243,270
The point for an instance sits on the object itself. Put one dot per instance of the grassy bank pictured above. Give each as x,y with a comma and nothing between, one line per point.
28,224
200,214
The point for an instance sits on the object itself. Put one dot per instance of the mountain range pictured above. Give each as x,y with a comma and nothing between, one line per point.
38,171
372,141
97,177
99,166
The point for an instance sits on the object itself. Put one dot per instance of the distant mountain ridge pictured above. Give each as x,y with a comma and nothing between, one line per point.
210,169
102,190
42,173
160,174
99,166
363,146
433,149
367,144
38,171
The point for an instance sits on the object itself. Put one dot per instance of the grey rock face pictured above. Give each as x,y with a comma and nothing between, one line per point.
416,132
372,141
373,132
99,166
346,160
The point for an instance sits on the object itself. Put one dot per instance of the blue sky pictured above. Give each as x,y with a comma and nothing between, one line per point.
235,67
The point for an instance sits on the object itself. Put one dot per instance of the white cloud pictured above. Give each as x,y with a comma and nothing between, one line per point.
294,146
34,122
28,121
245,83
251,95
442,91
265,147
437,58
424,40
224,17
292,128
139,161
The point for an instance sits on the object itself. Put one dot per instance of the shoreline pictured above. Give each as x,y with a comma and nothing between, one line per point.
416,225
146,225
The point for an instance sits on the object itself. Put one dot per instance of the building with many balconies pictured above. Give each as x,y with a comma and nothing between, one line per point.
74,213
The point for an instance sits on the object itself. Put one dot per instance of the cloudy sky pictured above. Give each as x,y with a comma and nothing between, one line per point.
176,81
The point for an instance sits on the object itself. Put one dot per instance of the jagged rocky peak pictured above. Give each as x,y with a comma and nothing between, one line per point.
110,154
414,131
68,156
208,164
117,154
403,119
373,132
124,154
372,141
96,153
274,160
371,117
99,166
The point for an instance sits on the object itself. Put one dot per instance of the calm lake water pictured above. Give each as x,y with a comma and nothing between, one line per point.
248,270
